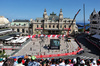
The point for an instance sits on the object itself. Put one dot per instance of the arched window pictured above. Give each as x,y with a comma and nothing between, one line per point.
37,20
37,26
49,26
41,26
17,30
23,31
12,29
14,23
45,26
65,26
24,24
26,31
53,26
57,26
60,26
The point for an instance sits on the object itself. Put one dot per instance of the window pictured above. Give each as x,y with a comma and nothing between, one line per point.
93,27
26,31
17,30
49,26
94,22
24,24
14,23
37,26
37,20
53,26
45,26
41,26
65,26
60,26
57,26
23,31
12,29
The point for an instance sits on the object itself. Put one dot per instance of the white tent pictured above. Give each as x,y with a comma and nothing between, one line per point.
22,40
15,41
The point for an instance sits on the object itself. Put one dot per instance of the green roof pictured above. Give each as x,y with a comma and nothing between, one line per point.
21,23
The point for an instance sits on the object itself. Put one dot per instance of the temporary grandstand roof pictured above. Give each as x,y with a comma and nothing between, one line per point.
9,38
96,36
4,37
5,30
15,34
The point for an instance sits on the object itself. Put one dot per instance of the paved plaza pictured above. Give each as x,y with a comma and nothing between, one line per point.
37,46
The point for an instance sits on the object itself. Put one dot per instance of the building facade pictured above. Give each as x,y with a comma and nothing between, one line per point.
95,23
53,24
22,26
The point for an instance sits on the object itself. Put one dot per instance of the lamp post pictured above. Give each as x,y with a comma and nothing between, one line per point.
40,48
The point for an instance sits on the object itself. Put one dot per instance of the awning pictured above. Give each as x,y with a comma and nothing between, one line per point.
39,28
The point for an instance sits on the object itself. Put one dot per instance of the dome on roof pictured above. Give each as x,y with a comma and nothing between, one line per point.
3,20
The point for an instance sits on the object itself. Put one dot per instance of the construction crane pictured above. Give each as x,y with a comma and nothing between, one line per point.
72,22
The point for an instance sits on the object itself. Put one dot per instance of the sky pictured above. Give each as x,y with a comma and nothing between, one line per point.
27,9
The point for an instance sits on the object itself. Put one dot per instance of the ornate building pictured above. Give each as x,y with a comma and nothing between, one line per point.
53,24
22,26
3,22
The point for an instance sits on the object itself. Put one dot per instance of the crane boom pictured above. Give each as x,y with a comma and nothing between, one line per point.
72,22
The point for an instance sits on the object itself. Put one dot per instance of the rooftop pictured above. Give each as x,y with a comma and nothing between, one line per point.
21,21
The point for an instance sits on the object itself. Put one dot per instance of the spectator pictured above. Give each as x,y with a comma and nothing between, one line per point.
19,62
98,62
94,63
26,62
82,62
78,61
8,62
1,61
53,61
67,62
62,62
33,62
15,62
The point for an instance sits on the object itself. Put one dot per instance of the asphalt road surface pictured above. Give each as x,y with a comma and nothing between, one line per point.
90,51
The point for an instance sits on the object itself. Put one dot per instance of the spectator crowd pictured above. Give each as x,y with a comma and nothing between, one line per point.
33,61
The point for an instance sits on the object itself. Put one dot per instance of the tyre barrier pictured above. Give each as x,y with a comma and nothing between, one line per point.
57,55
